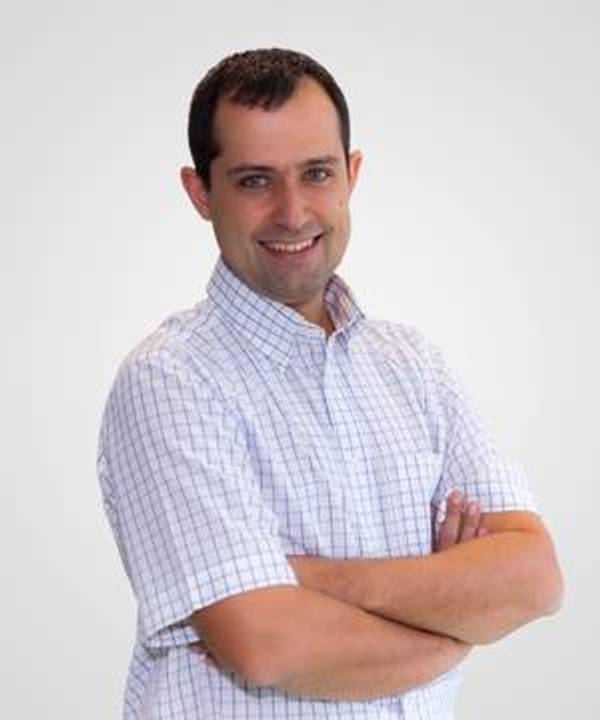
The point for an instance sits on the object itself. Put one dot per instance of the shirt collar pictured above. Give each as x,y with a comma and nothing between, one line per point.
272,327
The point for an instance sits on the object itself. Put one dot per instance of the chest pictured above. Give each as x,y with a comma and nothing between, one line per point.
345,460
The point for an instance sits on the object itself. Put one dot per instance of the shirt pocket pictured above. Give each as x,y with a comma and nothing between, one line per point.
396,512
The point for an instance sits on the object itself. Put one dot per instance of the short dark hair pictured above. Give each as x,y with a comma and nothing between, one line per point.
264,77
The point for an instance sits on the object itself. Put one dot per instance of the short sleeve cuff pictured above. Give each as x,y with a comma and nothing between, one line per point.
505,488
499,486
163,615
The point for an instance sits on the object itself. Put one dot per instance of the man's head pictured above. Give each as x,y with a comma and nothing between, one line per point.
255,78
269,134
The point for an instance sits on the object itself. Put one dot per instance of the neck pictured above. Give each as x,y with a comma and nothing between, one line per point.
316,313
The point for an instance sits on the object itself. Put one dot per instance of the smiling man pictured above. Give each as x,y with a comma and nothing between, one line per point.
312,517
277,193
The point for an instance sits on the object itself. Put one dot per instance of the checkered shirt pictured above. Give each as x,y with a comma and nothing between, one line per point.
238,433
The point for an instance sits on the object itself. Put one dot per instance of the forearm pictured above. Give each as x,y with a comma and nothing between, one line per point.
476,591
344,653
319,647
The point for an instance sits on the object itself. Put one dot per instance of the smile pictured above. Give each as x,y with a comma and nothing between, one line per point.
292,248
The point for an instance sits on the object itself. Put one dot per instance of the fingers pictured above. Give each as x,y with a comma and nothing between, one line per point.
470,522
462,522
449,532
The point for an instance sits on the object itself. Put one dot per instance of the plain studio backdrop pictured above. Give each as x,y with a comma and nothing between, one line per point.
475,219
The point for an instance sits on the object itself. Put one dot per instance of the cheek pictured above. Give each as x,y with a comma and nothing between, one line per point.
339,204
330,210
238,223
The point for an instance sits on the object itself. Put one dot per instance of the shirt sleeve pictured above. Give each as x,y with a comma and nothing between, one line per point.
186,510
470,461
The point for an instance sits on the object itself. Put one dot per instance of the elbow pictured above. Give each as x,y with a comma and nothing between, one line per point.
249,634
261,668
549,593
543,593
542,586
259,661
536,590
541,596
255,670
548,588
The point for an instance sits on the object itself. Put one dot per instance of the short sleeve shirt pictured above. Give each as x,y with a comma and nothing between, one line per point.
239,433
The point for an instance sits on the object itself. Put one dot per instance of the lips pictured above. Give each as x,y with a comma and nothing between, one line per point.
292,248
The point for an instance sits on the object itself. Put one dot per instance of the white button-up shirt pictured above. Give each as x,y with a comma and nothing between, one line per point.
238,433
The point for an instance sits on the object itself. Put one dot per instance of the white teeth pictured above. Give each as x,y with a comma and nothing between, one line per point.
279,247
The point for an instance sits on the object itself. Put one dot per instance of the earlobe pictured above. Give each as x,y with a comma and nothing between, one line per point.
196,191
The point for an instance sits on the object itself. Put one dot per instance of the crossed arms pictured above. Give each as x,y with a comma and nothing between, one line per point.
364,628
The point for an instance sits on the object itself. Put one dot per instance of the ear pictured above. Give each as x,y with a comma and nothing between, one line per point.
354,163
196,190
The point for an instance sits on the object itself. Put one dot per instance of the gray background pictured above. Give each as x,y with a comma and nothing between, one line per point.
475,220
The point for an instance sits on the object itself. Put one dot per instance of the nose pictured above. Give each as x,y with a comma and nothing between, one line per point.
291,211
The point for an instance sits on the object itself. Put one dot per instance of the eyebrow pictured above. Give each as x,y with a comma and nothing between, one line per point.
250,167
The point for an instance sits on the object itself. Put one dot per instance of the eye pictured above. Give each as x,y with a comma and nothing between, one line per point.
318,174
254,182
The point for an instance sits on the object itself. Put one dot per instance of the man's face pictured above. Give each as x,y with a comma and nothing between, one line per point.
279,195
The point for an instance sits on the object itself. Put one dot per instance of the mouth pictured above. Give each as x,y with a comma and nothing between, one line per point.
292,249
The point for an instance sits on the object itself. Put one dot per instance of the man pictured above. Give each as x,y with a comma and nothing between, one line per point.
313,520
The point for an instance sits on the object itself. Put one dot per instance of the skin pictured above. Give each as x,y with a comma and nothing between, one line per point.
281,177
333,650
462,522
491,574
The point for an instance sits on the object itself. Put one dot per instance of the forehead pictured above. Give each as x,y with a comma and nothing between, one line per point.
305,125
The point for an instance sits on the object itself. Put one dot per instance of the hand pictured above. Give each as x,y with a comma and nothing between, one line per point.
462,522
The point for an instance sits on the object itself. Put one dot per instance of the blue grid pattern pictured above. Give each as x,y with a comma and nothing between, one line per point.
238,433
